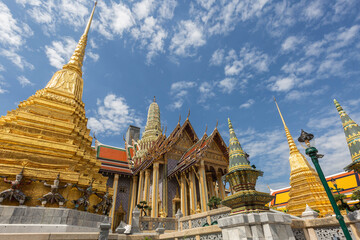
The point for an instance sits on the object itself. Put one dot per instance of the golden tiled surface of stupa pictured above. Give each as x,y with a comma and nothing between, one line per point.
306,187
47,135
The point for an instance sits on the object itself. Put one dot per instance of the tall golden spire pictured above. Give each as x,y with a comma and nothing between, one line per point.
69,79
290,140
76,60
305,184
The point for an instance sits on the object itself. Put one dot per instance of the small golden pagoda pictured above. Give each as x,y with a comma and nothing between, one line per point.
306,187
47,135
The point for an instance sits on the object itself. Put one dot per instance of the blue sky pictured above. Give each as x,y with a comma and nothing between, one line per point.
218,58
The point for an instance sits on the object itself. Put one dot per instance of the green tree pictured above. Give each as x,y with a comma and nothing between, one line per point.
356,196
214,202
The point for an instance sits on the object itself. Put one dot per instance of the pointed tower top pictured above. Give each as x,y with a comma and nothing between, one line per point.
352,134
76,60
154,99
153,124
290,140
237,156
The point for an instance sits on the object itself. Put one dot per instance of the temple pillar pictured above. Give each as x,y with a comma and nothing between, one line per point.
210,184
133,197
141,187
155,191
192,190
147,186
203,187
183,195
113,207
221,186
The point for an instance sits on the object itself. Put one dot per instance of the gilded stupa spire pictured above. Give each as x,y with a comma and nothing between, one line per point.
76,60
352,134
69,78
306,187
292,145
237,156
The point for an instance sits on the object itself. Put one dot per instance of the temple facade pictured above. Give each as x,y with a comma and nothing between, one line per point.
179,171
306,187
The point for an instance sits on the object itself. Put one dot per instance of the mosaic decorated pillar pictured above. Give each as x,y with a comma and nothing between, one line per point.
113,208
133,197
203,187
141,187
221,188
193,195
183,195
210,184
155,191
147,186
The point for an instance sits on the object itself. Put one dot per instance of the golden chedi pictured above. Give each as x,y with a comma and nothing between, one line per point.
306,187
46,136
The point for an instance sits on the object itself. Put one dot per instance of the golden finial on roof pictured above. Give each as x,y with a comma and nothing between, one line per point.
179,119
290,140
217,123
230,124
76,60
205,129
188,114
154,100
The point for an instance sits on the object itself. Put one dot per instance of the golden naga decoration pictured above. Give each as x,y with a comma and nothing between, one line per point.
306,187
47,135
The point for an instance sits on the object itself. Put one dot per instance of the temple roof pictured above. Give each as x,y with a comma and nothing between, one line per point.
113,160
352,134
195,152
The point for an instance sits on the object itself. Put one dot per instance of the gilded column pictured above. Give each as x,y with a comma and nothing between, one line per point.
141,187
210,184
221,186
155,191
113,208
183,195
192,190
147,186
133,197
203,188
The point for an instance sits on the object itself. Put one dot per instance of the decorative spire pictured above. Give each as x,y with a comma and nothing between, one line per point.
153,124
292,145
352,134
76,60
154,99
237,156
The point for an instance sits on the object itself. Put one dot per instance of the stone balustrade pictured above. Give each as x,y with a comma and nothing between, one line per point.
150,223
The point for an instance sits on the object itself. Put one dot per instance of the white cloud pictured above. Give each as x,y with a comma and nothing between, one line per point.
290,43
3,90
143,9
227,85
248,103
179,90
113,116
113,19
188,37
314,10
24,81
16,59
60,51
206,92
282,84
12,33
248,57
2,68
217,57
94,56
167,8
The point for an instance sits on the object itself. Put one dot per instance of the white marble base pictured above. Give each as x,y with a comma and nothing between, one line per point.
43,228
260,226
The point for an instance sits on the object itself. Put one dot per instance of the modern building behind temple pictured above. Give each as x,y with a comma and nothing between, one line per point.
178,171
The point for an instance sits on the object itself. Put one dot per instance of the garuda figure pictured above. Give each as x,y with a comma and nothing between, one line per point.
105,204
15,191
54,195
84,199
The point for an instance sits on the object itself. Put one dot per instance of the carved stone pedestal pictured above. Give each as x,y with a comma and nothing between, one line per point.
265,225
